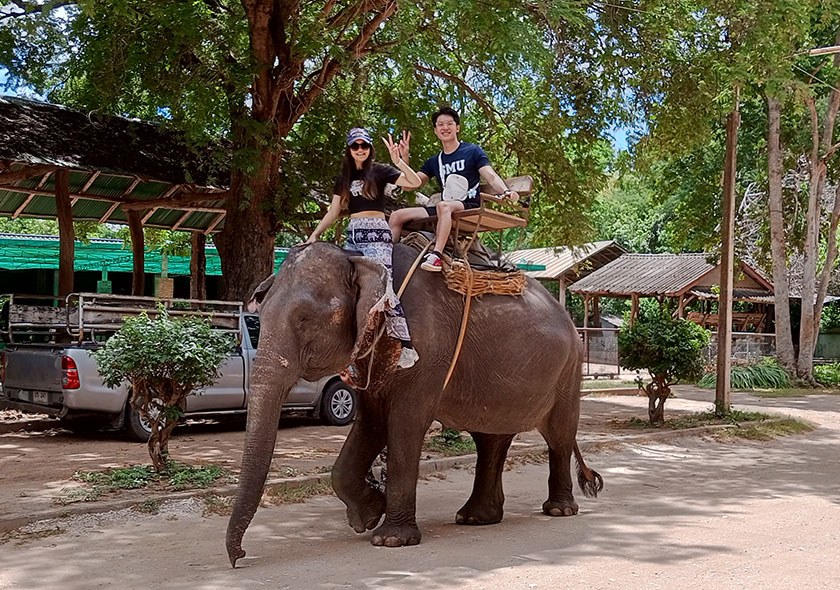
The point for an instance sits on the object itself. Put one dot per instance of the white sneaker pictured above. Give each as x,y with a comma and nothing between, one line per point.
408,357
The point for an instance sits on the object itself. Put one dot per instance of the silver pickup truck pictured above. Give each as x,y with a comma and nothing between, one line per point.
46,366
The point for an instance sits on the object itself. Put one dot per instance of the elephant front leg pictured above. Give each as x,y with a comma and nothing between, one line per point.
404,444
486,503
365,505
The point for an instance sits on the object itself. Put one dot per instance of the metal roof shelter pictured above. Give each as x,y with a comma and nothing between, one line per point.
22,252
73,166
115,164
683,276
565,264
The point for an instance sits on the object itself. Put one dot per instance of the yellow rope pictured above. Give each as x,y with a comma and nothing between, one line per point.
464,319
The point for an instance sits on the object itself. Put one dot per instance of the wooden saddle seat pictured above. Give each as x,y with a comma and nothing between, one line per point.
496,213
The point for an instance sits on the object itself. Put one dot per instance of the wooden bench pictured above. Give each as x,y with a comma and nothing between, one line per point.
493,214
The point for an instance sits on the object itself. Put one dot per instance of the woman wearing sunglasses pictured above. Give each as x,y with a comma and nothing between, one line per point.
360,190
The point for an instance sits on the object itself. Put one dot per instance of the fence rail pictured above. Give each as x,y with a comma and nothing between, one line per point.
600,350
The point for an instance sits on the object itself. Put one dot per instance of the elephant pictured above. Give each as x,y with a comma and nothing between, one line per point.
519,369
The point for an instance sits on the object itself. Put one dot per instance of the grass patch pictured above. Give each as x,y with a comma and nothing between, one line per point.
284,494
450,443
148,506
766,430
24,537
698,419
219,505
794,392
180,477
767,374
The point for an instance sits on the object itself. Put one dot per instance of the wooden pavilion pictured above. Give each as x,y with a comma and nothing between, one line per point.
58,163
565,265
684,277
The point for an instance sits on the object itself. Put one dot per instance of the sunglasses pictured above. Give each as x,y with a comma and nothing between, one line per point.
360,146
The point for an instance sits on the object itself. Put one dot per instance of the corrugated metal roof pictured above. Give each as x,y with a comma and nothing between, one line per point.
645,274
739,294
560,259
111,160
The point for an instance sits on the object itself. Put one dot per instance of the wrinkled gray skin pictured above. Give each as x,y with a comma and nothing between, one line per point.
519,369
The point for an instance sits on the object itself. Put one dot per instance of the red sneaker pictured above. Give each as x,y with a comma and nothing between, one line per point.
432,263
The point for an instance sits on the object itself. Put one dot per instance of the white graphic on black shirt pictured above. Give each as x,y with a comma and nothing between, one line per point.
356,187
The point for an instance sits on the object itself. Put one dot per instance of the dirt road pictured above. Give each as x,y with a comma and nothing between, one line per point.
692,514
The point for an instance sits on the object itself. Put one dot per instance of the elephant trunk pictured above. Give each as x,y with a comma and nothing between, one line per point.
271,382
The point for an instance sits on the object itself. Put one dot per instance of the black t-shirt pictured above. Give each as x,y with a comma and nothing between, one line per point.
466,161
380,175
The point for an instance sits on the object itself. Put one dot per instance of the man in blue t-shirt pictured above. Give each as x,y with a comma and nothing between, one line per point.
459,167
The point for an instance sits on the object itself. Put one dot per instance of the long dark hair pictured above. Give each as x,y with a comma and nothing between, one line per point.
348,165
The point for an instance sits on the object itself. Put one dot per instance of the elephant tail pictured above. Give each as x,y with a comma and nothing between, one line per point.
589,480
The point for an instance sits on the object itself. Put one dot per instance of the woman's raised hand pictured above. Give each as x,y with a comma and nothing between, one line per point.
393,149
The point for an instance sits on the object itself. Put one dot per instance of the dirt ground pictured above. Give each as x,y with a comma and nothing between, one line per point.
36,468
683,513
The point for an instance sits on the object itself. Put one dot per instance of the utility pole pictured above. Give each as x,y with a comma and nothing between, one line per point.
727,262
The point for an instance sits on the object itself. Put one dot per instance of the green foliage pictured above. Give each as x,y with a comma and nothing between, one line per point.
163,360
178,476
830,317
451,443
158,352
767,374
828,375
669,348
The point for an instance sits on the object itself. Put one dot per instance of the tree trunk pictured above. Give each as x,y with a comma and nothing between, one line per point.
727,263
198,266
778,242
138,252
246,245
804,365
66,232
657,391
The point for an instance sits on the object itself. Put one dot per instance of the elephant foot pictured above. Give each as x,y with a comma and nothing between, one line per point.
366,516
391,535
560,507
479,515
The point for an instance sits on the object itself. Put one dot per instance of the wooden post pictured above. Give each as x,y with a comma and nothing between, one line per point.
727,264
198,266
138,252
681,306
585,311
66,233
634,308
561,290
596,312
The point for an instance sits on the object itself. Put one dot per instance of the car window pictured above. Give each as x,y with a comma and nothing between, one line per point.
252,322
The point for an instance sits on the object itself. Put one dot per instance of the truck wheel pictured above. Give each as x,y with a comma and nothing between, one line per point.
338,404
135,426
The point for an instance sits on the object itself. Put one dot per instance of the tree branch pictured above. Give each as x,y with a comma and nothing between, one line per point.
485,106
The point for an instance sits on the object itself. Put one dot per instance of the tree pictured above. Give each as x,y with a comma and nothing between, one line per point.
284,79
669,348
163,360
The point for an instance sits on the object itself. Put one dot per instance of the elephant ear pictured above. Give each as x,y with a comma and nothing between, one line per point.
259,294
371,281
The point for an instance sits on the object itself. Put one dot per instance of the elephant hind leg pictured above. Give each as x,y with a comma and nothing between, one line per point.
486,503
559,430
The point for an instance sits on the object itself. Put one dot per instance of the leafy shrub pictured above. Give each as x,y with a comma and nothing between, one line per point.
828,375
669,348
164,360
767,374
830,319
